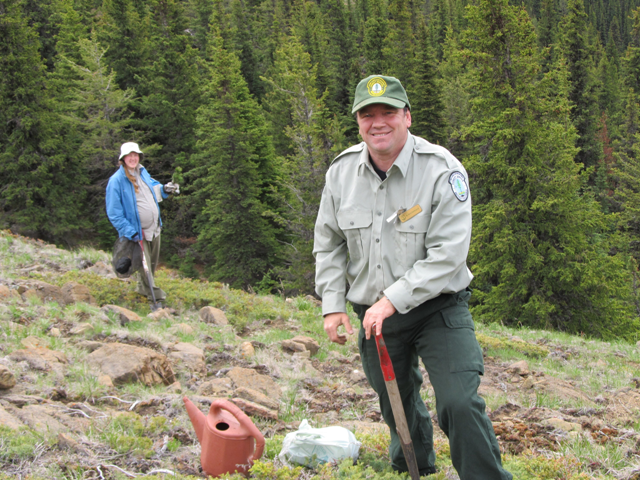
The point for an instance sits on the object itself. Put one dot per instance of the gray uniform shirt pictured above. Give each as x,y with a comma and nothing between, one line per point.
147,209
409,262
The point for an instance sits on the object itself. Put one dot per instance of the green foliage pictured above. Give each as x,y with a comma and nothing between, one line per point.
18,446
235,178
315,137
268,471
538,247
43,184
583,82
126,433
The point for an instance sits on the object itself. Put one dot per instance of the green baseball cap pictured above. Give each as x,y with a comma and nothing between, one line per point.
380,89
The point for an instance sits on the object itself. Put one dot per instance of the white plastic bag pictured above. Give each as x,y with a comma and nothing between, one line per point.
310,446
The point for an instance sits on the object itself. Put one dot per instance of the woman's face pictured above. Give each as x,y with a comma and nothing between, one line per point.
131,160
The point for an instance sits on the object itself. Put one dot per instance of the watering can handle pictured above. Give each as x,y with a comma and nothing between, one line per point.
245,421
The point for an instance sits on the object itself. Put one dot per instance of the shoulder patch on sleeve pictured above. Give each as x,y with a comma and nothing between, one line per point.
459,186
355,149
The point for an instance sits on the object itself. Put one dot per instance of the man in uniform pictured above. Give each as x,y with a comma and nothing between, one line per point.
395,222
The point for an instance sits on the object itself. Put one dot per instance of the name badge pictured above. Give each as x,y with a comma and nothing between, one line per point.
412,212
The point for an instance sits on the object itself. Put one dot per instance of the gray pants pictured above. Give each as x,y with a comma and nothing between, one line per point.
152,255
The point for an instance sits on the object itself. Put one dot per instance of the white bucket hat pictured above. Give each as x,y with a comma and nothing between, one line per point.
129,147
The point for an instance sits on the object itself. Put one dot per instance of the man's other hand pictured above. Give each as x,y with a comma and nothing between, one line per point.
374,317
331,323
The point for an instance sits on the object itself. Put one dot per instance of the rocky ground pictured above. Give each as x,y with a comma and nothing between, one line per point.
92,383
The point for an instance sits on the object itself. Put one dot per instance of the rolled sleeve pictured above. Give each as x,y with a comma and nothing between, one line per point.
330,251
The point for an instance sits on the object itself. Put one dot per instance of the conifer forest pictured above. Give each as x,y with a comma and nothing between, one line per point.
247,102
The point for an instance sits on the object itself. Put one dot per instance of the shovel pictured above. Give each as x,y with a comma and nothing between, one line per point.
398,410
147,271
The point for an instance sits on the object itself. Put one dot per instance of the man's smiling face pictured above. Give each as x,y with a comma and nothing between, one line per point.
384,129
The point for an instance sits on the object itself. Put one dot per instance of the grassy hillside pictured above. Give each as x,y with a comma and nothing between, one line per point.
564,407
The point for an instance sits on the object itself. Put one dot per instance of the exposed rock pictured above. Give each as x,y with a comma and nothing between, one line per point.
219,387
34,342
67,442
528,383
256,397
7,293
306,354
46,292
7,379
102,269
89,345
175,387
357,376
105,380
74,292
563,425
8,420
213,315
160,314
189,356
124,315
182,328
291,347
126,363
55,332
40,419
314,300
40,358
310,344
519,368
247,350
81,329
246,377
255,410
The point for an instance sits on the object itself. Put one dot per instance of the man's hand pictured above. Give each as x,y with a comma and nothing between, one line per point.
378,312
172,188
331,323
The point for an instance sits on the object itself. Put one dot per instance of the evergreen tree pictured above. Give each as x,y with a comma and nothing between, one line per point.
583,93
376,30
427,108
98,112
43,182
536,251
235,179
316,138
123,29
400,42
439,22
455,96
169,89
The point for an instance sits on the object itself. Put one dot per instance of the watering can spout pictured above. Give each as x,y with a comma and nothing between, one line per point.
198,419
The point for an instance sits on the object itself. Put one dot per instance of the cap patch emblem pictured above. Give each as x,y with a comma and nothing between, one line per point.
376,86
459,186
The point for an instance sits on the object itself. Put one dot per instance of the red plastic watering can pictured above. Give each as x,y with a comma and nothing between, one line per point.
229,439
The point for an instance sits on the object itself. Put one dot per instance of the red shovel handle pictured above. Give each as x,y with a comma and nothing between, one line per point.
385,360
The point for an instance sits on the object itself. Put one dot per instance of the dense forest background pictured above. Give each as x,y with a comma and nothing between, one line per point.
251,99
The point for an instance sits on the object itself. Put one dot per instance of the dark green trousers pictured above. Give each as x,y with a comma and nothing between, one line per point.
441,333
152,255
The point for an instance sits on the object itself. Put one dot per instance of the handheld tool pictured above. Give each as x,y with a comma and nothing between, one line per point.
147,271
398,410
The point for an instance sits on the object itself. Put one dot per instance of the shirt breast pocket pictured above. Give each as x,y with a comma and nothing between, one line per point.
410,239
356,225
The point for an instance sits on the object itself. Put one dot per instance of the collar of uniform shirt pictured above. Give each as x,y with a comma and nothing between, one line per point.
402,162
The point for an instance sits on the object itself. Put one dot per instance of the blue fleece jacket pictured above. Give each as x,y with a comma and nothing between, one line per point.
122,208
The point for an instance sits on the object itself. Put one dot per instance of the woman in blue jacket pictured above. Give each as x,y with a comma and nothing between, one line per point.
132,206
